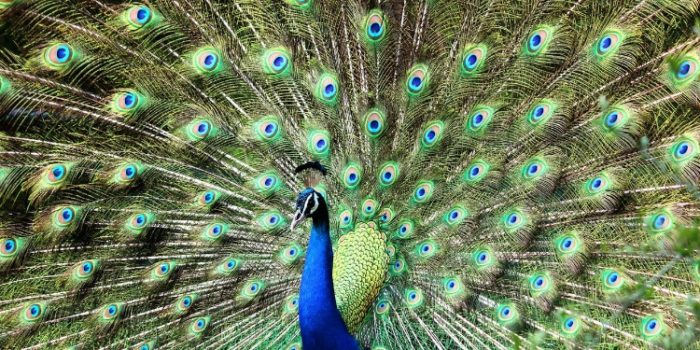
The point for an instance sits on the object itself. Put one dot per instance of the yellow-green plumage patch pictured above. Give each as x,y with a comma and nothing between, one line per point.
359,268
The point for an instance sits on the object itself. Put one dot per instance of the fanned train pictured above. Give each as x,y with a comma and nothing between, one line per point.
499,174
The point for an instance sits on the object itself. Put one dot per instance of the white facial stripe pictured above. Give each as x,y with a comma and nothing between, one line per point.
306,204
315,203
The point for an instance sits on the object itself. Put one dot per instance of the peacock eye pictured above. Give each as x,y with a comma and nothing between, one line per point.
327,88
417,78
685,69
56,173
140,16
9,246
65,216
374,25
207,60
129,172
472,59
129,100
277,62
432,134
59,56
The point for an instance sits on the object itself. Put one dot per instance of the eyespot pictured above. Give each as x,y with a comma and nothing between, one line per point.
318,142
327,88
385,216
64,216
614,118
405,229
455,215
139,220
208,198
413,298
659,222
423,192
612,280
345,218
539,284
427,249
473,58
651,327
538,40
382,307
374,123
608,44
111,311
58,56
683,150
683,71
268,129
128,172
56,173
390,250
139,16
374,26
476,171
207,60
432,134
84,270
252,289
213,232
270,220
127,102
567,244
163,270
277,62
570,325
417,79
199,325
479,119
369,207
150,345
200,129
597,184
534,169
290,254
483,258
541,112
513,220
295,346
507,313
398,266
388,174
8,247
351,176
267,182
450,285
291,304
34,312
227,266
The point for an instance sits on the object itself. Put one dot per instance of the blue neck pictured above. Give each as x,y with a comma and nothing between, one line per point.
321,324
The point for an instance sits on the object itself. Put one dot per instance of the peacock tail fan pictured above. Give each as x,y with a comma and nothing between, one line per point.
498,173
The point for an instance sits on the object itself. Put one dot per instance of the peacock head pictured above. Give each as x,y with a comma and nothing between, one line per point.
307,206
309,200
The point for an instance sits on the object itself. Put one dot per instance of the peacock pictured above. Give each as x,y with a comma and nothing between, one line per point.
349,174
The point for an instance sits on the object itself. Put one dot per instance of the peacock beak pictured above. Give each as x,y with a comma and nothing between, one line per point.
298,218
